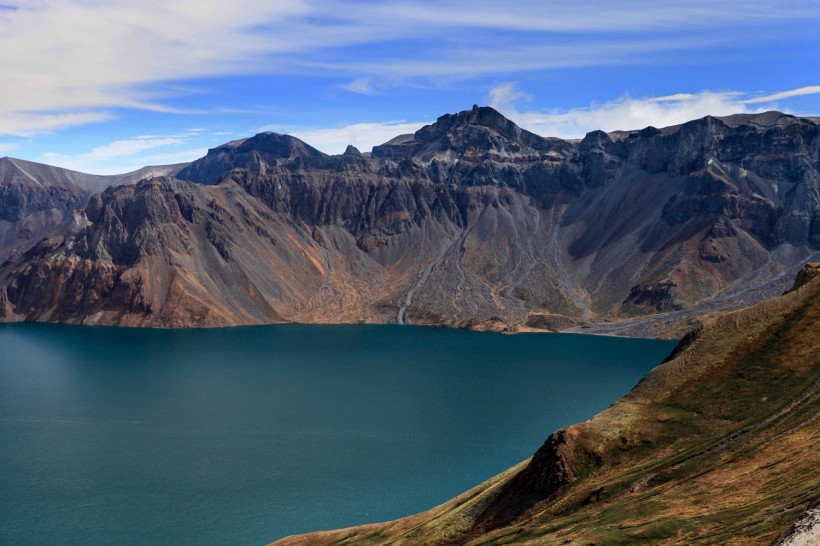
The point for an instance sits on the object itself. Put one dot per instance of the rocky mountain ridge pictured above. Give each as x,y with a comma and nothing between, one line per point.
36,200
470,222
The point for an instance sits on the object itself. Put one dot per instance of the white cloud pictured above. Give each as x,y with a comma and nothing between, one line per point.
364,136
672,98
28,124
504,96
627,113
70,55
810,90
361,86
6,147
121,148
127,155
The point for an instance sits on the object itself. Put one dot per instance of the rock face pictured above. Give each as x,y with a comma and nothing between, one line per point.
35,199
717,445
471,222
166,252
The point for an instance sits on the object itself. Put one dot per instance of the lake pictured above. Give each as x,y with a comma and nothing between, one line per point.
244,435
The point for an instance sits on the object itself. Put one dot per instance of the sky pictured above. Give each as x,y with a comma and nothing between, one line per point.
106,86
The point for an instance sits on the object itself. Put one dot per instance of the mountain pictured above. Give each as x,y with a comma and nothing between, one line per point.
470,222
717,445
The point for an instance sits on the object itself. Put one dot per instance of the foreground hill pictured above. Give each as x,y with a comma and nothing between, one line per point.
470,222
718,445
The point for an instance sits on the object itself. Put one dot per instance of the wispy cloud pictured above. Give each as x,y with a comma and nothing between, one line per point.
126,155
334,140
504,96
25,124
69,56
122,148
628,113
361,86
6,147
480,59
810,90
71,61
592,15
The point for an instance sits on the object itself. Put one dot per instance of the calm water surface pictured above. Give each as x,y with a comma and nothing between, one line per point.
244,435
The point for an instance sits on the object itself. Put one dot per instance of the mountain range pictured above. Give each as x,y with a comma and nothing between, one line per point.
470,222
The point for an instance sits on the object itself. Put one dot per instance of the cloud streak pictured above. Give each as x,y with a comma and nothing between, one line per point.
809,90
26,124
127,155
593,15
628,113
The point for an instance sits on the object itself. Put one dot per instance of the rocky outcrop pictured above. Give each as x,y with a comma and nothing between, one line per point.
474,135
809,272
805,531
474,222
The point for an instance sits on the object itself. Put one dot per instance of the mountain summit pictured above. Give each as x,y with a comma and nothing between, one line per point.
472,134
255,152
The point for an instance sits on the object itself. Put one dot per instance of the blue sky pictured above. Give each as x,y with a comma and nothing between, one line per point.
109,86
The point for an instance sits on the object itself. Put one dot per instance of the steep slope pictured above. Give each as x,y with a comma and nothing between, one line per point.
165,252
35,199
475,222
717,445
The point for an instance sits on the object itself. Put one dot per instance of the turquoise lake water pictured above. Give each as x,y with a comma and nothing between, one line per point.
244,435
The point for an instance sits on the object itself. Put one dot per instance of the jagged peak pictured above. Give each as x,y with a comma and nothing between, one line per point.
482,128
484,116
352,151
809,271
595,139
